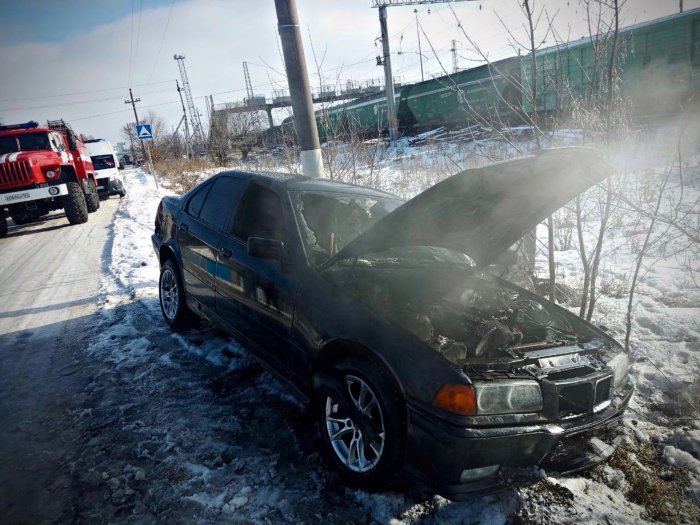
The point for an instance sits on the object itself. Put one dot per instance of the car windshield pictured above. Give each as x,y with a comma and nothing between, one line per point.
328,221
103,162
8,145
34,142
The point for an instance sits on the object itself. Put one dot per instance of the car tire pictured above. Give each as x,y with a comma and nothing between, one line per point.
171,296
3,226
383,407
92,199
74,204
20,220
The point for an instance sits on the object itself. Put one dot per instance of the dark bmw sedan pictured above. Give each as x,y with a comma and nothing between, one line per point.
383,317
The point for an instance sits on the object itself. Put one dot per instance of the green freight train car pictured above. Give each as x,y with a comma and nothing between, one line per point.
658,63
659,72
483,94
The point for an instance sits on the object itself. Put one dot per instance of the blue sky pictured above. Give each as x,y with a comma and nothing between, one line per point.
58,20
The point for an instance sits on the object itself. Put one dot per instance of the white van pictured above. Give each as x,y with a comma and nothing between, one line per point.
106,164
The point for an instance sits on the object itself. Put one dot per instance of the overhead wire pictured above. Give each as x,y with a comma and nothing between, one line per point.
79,102
131,43
138,32
162,41
118,88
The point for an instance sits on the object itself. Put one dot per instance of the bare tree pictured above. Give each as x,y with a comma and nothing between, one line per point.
231,131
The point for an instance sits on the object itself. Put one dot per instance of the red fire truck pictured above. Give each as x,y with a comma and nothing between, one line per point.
44,169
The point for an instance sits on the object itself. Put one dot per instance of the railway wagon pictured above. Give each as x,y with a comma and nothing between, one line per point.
359,117
486,93
658,63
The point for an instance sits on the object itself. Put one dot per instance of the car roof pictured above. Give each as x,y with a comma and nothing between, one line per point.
292,182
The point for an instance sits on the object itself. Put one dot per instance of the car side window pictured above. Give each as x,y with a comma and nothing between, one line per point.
259,215
221,202
194,206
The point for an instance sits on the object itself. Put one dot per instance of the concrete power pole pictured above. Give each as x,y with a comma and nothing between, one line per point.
299,91
388,78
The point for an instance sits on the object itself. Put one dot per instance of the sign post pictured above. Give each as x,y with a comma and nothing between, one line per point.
144,132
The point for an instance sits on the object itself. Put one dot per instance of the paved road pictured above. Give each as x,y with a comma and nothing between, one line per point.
49,283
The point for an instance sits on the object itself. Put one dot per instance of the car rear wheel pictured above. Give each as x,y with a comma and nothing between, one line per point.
92,199
171,293
361,423
19,220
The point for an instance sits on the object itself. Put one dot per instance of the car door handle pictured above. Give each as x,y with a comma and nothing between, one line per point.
183,227
225,253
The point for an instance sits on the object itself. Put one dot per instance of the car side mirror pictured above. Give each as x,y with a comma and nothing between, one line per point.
266,248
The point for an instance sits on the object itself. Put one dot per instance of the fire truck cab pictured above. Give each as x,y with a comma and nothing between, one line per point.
44,169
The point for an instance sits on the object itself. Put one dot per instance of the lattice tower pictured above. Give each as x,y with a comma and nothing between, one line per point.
197,130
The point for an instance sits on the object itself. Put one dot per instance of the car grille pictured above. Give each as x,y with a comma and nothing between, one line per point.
15,173
584,397
603,391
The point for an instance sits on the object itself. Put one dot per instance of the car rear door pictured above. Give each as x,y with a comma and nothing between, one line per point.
207,216
255,295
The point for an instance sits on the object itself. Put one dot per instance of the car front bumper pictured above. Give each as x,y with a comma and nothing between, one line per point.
33,194
109,186
437,451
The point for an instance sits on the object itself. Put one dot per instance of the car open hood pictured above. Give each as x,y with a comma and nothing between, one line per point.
483,211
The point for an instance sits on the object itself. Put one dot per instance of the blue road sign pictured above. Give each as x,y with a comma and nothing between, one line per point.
144,132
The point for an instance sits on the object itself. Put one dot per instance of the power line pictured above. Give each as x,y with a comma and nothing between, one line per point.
162,40
85,92
77,103
138,32
131,41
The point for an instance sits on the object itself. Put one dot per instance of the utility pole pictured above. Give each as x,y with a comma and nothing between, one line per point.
133,102
455,65
299,91
388,78
386,59
420,52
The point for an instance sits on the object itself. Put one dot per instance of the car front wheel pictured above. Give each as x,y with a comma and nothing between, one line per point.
171,293
361,424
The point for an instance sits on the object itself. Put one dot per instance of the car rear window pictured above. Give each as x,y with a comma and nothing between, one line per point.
222,201
194,206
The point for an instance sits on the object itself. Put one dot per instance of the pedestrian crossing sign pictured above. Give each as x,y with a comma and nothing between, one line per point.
144,132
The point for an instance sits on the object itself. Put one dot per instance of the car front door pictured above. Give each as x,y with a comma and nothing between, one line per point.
256,295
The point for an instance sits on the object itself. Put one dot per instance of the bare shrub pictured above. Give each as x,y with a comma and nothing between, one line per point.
183,174
660,489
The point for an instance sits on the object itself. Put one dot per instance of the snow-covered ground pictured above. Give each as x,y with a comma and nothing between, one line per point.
197,430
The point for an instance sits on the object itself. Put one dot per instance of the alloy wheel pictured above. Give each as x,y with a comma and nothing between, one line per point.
169,297
358,451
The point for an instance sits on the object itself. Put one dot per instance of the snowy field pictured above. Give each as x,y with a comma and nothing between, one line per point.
198,431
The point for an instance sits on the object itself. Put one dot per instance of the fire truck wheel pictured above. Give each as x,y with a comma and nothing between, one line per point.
3,226
74,204
92,199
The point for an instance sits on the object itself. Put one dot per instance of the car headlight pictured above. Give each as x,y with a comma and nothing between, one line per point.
50,174
620,365
508,397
